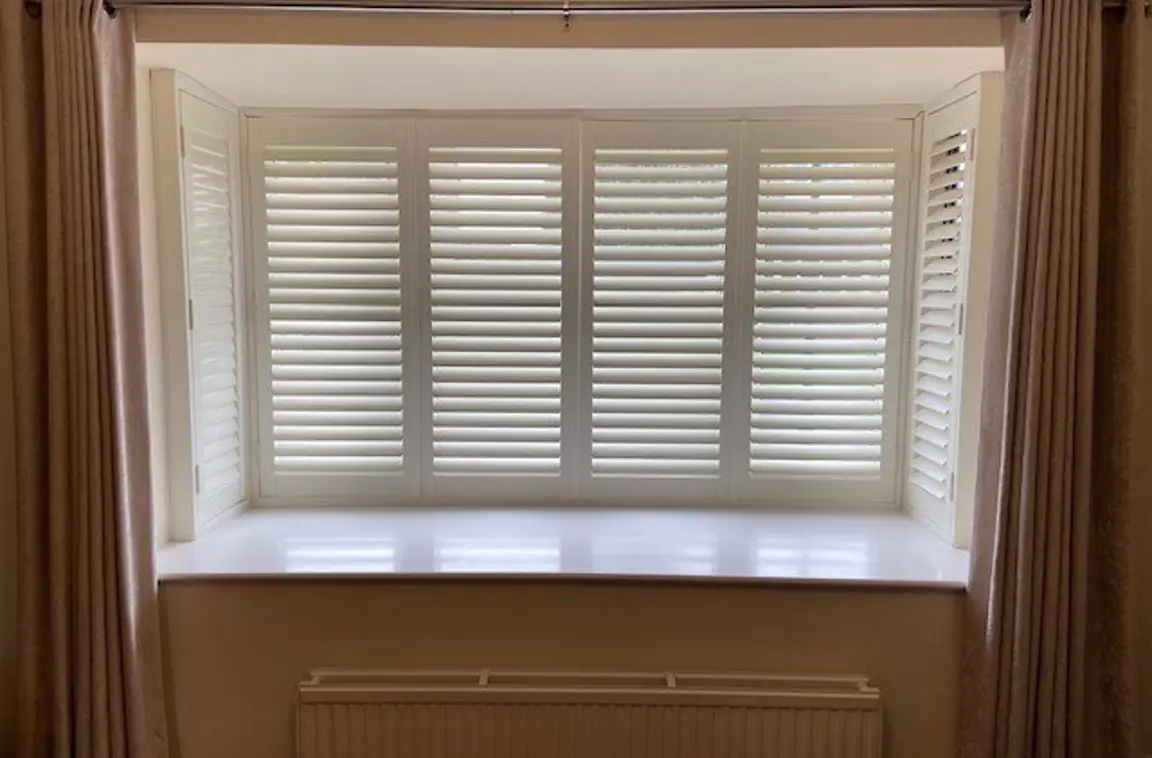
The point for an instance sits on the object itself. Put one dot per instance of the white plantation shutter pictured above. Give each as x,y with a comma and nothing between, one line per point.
936,336
328,206
658,238
497,244
209,144
825,308
477,310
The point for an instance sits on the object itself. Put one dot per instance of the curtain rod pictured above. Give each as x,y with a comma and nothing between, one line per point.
567,9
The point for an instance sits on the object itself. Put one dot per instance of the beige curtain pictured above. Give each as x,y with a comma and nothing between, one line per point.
87,639
1048,661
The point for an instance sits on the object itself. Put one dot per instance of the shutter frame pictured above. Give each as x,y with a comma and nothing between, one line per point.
196,159
972,108
468,143
371,236
209,144
838,141
623,138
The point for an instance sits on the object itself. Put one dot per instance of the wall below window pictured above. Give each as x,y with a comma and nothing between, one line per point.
236,649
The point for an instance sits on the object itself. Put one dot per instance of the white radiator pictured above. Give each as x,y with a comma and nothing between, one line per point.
494,714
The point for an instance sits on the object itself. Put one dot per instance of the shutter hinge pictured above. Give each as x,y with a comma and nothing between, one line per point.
182,148
196,477
960,319
191,316
952,486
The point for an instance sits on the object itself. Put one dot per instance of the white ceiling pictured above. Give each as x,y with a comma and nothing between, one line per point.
327,76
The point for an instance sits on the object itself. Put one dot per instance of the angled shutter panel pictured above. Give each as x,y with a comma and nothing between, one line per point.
821,313
934,406
659,243
335,402
495,254
209,145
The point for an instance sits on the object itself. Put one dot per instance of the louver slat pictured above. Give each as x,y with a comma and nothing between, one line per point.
495,256
659,241
333,267
823,249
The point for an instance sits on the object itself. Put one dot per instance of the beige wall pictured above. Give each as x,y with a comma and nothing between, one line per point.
236,650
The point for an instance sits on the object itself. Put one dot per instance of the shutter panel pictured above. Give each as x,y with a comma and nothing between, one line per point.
334,415
208,147
496,252
823,263
659,240
934,407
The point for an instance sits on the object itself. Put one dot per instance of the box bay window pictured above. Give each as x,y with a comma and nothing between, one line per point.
584,309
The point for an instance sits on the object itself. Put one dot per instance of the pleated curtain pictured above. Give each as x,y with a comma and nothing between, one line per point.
1048,663
87,633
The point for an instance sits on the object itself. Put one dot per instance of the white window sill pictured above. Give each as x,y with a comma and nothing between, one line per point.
885,549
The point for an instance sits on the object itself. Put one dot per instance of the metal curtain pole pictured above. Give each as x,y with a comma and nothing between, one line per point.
566,9
561,8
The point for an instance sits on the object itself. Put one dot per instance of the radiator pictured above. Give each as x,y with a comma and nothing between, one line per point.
495,714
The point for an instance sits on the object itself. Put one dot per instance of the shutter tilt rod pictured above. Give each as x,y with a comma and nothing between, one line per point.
566,11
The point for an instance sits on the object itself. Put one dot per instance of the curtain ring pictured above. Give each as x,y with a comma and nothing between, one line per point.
1026,12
